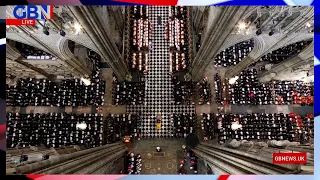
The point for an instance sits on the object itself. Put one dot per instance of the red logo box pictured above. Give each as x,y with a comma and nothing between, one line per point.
289,158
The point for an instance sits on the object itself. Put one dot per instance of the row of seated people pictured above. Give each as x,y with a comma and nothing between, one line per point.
133,163
176,34
178,61
178,12
248,90
234,54
182,91
139,61
209,126
76,93
30,52
139,38
42,92
293,92
140,34
96,59
192,165
139,11
120,125
285,52
258,126
204,91
30,92
54,129
193,161
128,93
184,124
219,88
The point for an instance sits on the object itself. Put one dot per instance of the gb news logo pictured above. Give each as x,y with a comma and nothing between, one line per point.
27,15
289,158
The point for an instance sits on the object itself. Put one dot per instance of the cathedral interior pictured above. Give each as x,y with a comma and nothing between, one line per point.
160,90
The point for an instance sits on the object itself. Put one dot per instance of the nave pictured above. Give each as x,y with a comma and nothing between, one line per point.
160,105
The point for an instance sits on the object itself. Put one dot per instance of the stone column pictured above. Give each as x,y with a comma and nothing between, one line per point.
75,61
197,16
101,162
108,107
217,32
34,154
216,170
80,161
218,163
253,159
66,150
118,16
93,27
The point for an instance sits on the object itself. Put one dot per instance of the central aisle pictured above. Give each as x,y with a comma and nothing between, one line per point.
159,87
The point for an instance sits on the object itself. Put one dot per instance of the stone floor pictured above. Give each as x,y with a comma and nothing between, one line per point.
166,162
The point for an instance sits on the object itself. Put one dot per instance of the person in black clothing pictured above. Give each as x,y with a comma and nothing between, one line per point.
159,20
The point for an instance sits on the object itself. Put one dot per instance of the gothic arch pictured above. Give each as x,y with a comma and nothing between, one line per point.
84,41
65,50
258,49
307,52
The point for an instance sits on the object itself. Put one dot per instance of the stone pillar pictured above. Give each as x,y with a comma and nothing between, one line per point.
216,170
76,62
101,161
108,107
107,74
34,154
81,53
239,162
84,161
218,31
256,158
66,150
93,27
218,163
198,13
118,17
